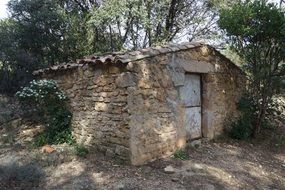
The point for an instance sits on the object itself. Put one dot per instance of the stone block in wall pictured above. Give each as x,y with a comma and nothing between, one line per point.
119,141
119,99
164,109
177,75
114,70
101,106
109,88
122,151
88,73
144,84
110,153
125,79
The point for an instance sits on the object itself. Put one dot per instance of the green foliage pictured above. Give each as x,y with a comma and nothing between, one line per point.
55,137
243,127
45,96
41,26
40,140
137,23
81,150
256,32
181,155
16,65
39,33
43,92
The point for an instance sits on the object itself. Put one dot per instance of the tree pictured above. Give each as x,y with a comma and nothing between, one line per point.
41,28
16,64
134,24
40,33
281,3
256,32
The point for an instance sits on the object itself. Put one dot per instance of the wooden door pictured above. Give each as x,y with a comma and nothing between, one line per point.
190,94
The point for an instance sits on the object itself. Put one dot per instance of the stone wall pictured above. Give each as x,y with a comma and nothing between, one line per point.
133,110
220,98
221,92
98,101
155,119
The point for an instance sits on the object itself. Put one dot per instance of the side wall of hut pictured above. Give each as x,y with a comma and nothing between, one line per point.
98,100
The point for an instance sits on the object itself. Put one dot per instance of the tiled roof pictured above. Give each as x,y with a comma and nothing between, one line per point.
122,57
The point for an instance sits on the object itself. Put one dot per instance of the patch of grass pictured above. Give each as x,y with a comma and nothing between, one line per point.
181,155
55,138
40,140
81,150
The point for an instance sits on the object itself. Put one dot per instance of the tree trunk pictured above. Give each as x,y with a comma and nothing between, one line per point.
259,119
111,39
257,126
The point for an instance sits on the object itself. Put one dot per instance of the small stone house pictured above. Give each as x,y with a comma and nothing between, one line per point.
147,104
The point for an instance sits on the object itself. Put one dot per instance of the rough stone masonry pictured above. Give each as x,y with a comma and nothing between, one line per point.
127,105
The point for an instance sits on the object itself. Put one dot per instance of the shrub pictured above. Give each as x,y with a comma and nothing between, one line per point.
50,101
40,140
181,155
43,92
241,129
81,150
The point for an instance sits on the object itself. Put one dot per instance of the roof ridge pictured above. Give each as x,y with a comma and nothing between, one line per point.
123,57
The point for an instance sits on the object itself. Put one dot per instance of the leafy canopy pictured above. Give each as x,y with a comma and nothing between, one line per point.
256,32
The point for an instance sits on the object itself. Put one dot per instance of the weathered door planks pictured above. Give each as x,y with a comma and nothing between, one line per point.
190,94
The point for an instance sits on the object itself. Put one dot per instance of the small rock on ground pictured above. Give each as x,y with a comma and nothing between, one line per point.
169,170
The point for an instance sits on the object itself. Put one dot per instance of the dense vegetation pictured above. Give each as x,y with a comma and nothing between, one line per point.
256,32
46,100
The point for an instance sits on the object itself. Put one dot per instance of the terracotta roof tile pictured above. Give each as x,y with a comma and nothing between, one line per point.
122,57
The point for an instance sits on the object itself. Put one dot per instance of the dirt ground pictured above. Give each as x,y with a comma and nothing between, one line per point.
214,165
222,164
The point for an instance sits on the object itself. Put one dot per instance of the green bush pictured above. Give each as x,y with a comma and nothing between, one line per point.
241,129
81,150
50,101
181,155
40,140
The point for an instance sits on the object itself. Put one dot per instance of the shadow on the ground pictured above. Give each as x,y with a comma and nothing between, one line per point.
20,176
236,165
216,165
